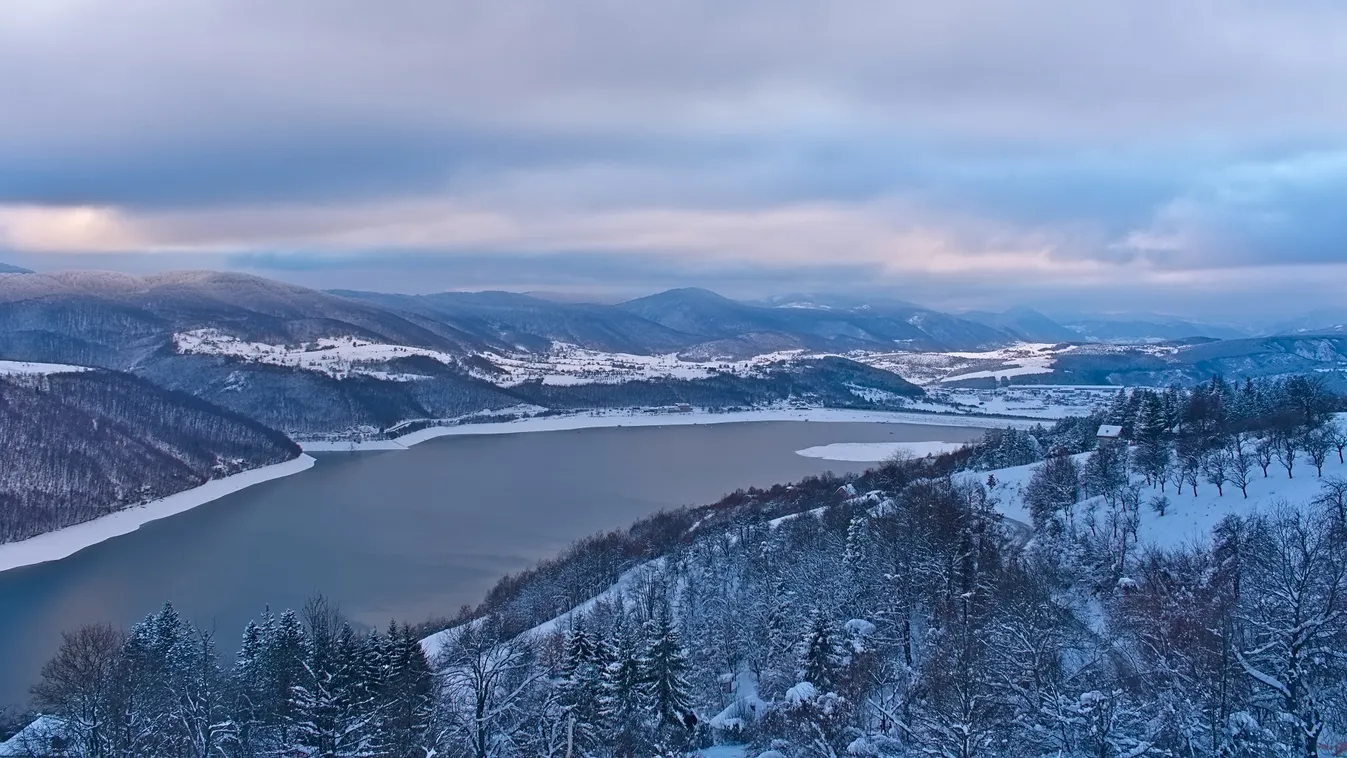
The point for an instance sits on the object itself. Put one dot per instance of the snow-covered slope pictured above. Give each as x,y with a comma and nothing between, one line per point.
22,368
1188,518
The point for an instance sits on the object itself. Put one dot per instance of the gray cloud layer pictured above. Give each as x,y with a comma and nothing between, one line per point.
1049,146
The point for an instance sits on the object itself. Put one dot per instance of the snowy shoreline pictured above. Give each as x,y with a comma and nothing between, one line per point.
629,419
67,541
875,452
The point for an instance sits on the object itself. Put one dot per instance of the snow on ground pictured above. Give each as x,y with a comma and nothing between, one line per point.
933,368
869,452
1018,360
34,739
433,644
633,418
564,364
1036,401
334,356
1188,518
72,539
9,368
570,365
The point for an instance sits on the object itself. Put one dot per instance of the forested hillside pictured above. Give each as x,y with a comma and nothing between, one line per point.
81,444
895,613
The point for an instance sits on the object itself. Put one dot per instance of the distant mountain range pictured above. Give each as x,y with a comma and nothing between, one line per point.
350,362
5,268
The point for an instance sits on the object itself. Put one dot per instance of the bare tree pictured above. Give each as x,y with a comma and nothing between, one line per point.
1317,446
1263,454
1176,475
1337,435
1333,497
1239,464
80,686
1190,466
485,680
1216,468
1296,625
1286,446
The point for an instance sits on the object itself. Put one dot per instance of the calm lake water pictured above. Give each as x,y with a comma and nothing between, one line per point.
403,534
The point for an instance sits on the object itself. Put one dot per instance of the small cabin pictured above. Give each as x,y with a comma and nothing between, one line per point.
683,408
1109,433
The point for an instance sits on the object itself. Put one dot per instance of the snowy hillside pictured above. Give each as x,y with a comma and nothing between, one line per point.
949,606
26,368
1188,518
82,444
561,365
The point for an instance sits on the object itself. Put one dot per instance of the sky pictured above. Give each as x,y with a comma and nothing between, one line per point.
1181,156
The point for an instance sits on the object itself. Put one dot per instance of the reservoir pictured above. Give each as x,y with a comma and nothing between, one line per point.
406,534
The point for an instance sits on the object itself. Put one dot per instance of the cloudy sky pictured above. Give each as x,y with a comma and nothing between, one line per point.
1185,156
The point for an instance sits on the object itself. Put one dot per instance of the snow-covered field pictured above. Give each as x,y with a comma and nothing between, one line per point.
605,419
12,368
569,365
1035,401
563,365
336,356
1187,518
72,539
932,368
872,452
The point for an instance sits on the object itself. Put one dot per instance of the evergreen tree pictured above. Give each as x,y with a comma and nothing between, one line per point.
1152,437
623,706
409,702
283,656
581,685
664,674
822,658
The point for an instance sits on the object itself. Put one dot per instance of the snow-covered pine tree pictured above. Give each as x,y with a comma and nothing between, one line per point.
624,703
822,657
581,686
249,688
409,700
665,673
284,651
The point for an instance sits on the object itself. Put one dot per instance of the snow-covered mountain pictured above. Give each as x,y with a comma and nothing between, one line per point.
357,363
815,323
1025,323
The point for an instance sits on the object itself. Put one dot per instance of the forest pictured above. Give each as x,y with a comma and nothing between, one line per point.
84,444
894,613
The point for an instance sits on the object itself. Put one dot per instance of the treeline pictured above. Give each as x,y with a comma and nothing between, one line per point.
82,445
1294,410
303,684
831,382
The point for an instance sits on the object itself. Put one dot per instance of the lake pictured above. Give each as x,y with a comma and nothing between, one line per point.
404,534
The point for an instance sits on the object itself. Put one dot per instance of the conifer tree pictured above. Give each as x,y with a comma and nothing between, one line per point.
665,673
821,655
623,705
